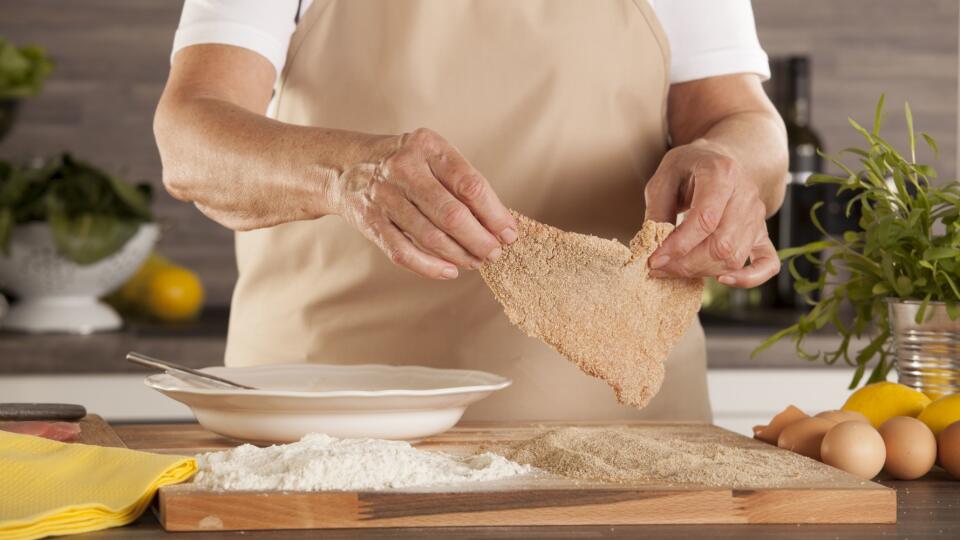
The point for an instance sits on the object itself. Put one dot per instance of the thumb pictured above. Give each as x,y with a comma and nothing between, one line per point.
661,196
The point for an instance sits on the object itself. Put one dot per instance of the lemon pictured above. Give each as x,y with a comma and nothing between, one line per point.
172,293
882,401
941,413
132,291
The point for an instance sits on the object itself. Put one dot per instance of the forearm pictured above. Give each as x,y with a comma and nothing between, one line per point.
247,171
733,114
416,197
756,140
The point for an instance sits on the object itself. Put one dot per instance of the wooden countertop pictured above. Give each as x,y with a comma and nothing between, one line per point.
927,508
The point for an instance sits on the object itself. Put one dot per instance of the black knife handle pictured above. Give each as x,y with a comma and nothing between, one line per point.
41,411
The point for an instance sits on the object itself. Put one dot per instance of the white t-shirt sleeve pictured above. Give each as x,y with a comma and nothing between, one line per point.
262,26
709,38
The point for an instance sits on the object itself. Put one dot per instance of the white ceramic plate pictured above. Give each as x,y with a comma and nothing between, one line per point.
371,400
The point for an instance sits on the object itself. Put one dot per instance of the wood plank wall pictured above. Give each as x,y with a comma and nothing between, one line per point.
906,49
112,60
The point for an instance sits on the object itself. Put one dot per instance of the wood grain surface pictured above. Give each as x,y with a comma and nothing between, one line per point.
520,501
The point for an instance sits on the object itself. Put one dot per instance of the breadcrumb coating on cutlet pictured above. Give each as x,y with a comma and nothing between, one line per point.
593,301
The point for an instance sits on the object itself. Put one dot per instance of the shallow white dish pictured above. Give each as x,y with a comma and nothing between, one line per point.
352,401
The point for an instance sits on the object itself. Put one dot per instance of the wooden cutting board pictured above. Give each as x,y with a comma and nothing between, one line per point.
528,500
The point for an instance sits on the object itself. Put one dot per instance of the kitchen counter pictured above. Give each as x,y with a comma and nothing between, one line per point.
91,370
927,508
197,343
202,343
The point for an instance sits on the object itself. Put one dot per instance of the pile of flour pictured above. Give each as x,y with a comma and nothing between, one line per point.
320,462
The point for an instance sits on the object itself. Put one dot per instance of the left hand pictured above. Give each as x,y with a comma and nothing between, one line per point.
725,221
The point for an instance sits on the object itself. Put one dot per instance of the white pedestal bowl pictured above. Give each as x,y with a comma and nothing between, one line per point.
58,295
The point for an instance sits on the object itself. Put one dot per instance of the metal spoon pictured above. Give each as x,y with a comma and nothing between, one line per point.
183,372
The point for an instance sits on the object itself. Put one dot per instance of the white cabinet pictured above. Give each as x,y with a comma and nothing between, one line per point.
743,398
115,397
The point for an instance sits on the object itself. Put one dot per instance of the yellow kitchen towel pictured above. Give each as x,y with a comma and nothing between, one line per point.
50,488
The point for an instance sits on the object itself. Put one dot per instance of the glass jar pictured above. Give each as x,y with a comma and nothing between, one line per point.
927,353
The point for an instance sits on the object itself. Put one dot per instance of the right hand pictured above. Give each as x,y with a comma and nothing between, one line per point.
425,206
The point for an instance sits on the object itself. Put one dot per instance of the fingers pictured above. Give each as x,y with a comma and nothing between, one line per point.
425,235
764,264
449,214
725,250
427,208
661,196
473,190
452,195
723,226
712,187
401,251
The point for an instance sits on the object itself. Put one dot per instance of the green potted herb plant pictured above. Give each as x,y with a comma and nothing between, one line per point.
22,72
893,282
69,233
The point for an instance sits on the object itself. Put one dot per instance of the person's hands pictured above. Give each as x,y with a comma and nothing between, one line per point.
425,206
724,225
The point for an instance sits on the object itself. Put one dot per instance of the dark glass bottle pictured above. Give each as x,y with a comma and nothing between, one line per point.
791,226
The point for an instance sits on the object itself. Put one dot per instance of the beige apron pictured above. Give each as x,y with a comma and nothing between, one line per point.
559,103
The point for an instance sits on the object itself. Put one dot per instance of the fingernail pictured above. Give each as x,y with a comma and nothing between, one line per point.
449,273
495,254
508,235
727,280
659,261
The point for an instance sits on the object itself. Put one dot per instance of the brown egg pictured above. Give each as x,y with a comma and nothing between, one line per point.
843,416
771,433
911,447
854,447
950,449
804,436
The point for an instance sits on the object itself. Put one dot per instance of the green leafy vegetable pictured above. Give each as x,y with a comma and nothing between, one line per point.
91,213
22,70
907,246
88,238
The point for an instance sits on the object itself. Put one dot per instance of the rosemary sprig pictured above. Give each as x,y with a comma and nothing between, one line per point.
906,246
